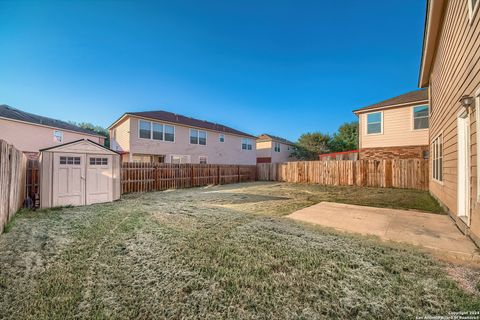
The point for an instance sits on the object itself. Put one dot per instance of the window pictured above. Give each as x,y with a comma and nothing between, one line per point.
70,160
202,160
276,147
145,131
221,137
374,123
472,8
98,161
169,133
198,137
246,144
177,159
57,136
420,117
157,129
437,158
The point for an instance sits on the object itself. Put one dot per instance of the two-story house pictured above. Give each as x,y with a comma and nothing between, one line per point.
166,137
29,132
450,69
272,149
395,128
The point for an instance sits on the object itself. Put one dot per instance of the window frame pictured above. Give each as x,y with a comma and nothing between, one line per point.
381,123
55,137
221,137
472,9
247,140
198,137
200,159
437,158
152,123
413,117
275,144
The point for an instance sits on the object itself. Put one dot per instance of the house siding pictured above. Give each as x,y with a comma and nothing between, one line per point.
121,142
397,129
31,138
455,72
228,152
265,150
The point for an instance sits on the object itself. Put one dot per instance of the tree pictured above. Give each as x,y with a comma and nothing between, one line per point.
95,129
310,145
346,138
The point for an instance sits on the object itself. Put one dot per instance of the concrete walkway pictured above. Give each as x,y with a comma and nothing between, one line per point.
432,231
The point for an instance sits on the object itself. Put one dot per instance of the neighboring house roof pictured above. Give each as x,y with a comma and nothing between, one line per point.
183,120
265,136
431,35
11,113
77,141
403,99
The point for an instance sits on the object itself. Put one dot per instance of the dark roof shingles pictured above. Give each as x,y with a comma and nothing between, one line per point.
183,120
409,97
266,136
16,114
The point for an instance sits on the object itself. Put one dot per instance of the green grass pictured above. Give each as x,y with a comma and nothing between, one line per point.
219,252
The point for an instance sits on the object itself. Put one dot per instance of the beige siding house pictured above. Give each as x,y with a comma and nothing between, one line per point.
395,128
451,70
272,149
30,132
165,137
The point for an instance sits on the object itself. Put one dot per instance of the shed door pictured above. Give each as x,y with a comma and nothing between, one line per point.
68,179
99,178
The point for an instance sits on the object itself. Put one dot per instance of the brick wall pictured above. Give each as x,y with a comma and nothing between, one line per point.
408,152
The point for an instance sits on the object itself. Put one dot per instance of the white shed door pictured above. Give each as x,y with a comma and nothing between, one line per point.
99,178
68,179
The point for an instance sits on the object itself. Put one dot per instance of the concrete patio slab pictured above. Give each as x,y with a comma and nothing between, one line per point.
435,232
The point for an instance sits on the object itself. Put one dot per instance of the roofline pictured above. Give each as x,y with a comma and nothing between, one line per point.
281,141
412,103
76,141
45,126
433,24
177,124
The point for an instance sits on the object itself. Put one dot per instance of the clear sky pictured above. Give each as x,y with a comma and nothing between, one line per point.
279,67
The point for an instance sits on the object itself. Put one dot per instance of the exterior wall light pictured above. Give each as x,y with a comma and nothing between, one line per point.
466,102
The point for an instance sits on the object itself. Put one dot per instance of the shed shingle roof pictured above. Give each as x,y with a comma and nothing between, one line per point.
265,136
409,97
187,121
19,115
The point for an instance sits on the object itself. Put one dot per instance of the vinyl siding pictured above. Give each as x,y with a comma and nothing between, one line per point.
455,72
264,149
122,139
397,129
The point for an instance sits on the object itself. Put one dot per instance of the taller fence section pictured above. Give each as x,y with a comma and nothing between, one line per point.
401,173
142,176
12,181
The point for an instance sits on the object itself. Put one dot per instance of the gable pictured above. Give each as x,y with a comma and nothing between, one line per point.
80,146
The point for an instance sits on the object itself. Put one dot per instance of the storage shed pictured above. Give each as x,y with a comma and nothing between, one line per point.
78,173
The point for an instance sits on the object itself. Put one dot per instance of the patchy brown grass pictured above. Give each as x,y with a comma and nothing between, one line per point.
218,252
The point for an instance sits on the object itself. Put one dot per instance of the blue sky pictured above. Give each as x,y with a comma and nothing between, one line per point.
280,67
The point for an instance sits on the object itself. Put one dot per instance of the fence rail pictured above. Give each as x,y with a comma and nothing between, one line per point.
401,173
141,176
12,181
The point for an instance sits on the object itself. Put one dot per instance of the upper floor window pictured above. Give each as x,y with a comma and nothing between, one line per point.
420,117
221,137
198,137
156,131
276,146
246,144
145,129
57,136
472,8
374,123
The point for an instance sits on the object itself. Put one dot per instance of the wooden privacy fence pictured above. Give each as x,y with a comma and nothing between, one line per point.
12,181
401,173
142,176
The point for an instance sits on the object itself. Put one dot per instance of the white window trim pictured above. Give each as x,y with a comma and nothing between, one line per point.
432,156
61,136
472,11
241,144
413,117
366,124
221,135
151,131
274,147
477,116
198,137
206,159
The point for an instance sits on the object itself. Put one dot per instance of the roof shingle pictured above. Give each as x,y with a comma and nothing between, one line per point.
409,97
265,136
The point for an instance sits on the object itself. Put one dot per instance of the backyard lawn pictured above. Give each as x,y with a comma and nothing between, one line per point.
221,252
